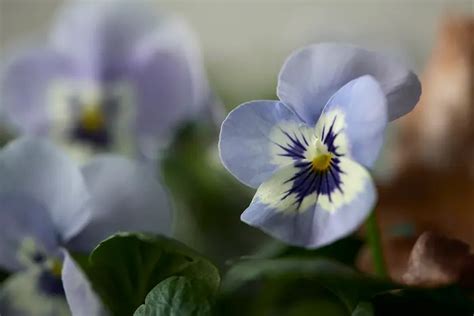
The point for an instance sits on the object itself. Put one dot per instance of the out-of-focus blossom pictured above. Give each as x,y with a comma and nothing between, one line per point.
114,75
49,204
307,153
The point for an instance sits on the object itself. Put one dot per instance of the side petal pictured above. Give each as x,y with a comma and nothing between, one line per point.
126,197
163,86
36,169
321,218
27,234
169,78
108,33
359,109
310,76
80,295
248,136
21,295
25,85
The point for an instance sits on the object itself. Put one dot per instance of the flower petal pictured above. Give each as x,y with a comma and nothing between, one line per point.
246,146
321,218
126,197
21,295
25,85
311,75
163,85
80,295
27,234
108,33
37,170
361,109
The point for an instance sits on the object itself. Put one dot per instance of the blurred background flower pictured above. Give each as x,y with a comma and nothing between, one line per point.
50,204
113,76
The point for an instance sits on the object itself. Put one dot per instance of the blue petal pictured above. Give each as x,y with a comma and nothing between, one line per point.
80,295
22,295
363,108
245,144
126,197
38,171
108,31
319,219
164,86
27,232
24,88
311,75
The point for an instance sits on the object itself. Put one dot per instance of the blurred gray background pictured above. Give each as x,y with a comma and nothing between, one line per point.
245,42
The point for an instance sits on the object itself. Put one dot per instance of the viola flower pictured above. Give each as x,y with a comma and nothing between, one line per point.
114,76
308,152
49,204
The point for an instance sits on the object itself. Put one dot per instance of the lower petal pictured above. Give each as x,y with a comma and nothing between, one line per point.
316,219
80,296
126,197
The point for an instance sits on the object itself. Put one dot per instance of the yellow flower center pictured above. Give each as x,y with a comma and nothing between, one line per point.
56,268
321,162
92,118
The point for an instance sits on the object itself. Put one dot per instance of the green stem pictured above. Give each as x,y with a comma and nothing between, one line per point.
373,238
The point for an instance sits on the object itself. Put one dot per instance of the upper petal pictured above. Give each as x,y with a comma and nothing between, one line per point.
311,75
100,35
80,295
126,197
319,218
246,143
358,112
164,85
25,86
39,171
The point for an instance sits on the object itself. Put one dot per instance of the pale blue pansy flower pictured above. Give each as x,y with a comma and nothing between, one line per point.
114,75
49,204
308,152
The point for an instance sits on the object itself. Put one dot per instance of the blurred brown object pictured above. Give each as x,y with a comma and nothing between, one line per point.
396,254
431,260
438,261
433,189
439,133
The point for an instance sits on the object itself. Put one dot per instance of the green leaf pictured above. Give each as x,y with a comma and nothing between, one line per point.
344,250
177,296
347,284
208,200
125,267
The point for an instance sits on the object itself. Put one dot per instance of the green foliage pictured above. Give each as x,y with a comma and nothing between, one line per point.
345,283
124,268
177,296
208,200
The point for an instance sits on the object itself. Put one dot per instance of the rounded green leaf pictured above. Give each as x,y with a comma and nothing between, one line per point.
124,268
177,296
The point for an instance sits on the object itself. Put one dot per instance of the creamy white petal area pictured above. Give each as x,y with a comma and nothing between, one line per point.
318,221
20,295
276,191
283,136
334,120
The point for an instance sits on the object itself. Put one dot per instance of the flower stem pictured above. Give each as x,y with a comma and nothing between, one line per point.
373,238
